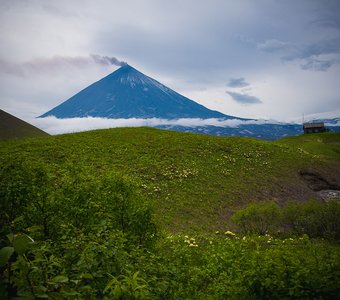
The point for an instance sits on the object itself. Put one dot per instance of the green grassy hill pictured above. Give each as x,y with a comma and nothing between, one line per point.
11,127
142,213
195,182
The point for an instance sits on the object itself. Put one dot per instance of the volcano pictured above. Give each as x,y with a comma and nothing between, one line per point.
128,93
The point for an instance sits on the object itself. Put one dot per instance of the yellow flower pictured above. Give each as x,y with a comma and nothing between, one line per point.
228,232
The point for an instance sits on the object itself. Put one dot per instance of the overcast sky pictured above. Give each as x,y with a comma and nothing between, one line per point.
256,59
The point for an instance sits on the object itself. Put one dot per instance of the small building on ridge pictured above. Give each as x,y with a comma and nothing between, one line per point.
314,127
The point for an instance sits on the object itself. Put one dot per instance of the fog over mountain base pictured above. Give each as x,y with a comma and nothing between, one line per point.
54,125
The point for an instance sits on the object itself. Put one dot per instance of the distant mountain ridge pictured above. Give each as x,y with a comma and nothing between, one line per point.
128,93
329,122
269,132
12,127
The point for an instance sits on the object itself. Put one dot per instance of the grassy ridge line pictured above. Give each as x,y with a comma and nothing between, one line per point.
194,181
326,146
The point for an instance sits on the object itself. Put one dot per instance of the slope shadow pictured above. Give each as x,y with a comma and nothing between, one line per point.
317,182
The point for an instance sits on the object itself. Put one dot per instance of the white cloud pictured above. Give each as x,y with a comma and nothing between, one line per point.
274,45
53,125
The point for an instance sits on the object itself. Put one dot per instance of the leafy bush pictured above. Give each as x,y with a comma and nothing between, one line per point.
127,287
317,219
98,265
72,234
15,190
252,267
314,218
83,228
258,218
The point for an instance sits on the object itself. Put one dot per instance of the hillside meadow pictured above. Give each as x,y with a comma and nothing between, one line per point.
142,213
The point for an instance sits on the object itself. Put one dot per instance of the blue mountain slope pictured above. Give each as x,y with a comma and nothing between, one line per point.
269,132
127,93
329,122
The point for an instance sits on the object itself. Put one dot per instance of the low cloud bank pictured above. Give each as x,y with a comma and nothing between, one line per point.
335,123
52,125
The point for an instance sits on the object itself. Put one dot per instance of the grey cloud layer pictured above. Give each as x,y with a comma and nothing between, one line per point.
310,55
241,96
237,82
191,46
244,98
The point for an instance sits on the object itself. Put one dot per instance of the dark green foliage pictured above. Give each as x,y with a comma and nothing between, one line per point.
76,220
258,218
314,218
131,286
317,219
32,196
81,224
225,267
14,194
185,176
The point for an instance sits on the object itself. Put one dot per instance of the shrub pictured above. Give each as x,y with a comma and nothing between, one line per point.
251,267
82,228
258,218
15,191
315,218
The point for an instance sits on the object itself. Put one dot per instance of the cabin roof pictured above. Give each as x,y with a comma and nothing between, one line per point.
314,125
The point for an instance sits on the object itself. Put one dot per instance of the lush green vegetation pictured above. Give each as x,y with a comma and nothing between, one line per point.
314,218
194,182
325,146
146,214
